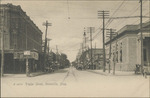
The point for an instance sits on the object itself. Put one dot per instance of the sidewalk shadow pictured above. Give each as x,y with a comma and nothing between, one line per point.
14,76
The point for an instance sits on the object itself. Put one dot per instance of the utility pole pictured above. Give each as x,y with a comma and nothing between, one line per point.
91,47
103,14
84,39
84,45
141,34
27,54
48,40
82,50
115,55
46,24
57,56
91,31
2,41
82,53
94,67
110,34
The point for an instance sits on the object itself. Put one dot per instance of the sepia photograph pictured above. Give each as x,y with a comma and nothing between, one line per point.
75,48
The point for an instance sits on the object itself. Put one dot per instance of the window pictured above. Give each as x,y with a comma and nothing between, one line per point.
114,57
144,55
117,56
120,52
121,55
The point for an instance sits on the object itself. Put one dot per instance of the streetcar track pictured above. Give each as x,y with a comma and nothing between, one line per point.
70,71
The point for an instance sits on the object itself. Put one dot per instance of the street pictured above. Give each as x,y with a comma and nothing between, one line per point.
74,83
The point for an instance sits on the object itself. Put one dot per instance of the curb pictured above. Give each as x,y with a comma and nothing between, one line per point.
37,74
111,74
106,74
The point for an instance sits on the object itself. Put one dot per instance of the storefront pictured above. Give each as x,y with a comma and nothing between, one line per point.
16,62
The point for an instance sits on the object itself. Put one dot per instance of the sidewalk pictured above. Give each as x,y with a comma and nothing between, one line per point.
23,75
33,74
117,73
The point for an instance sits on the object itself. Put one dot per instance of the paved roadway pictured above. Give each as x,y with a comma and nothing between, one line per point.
74,83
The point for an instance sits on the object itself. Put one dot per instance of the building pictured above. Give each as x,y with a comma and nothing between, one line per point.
91,61
58,60
126,47
20,35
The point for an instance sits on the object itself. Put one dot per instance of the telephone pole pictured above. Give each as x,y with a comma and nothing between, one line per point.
141,34
115,54
82,53
57,58
91,29
27,59
2,41
110,34
103,14
48,40
46,24
91,46
84,35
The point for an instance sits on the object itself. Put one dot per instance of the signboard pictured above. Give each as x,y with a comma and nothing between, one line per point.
23,55
34,55
27,53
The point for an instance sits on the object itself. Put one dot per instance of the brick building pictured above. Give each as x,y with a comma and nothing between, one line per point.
126,47
20,34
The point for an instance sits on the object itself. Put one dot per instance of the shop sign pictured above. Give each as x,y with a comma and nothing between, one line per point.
34,55
27,53
23,55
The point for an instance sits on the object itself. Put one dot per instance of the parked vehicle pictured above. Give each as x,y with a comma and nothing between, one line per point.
80,67
49,69
142,69
146,69
138,69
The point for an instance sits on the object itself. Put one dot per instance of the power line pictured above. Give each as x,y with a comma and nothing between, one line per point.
121,18
129,15
104,14
110,18
136,20
68,9
109,21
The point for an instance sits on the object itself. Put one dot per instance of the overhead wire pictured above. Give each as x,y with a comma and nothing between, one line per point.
134,11
110,20
68,9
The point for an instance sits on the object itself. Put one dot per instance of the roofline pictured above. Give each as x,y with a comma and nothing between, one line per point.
18,7
129,29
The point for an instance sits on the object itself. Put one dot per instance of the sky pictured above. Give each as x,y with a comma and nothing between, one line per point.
70,17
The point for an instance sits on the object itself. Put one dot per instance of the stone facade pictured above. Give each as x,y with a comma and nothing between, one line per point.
125,52
20,34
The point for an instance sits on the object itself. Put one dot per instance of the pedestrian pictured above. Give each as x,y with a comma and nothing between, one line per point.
145,70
